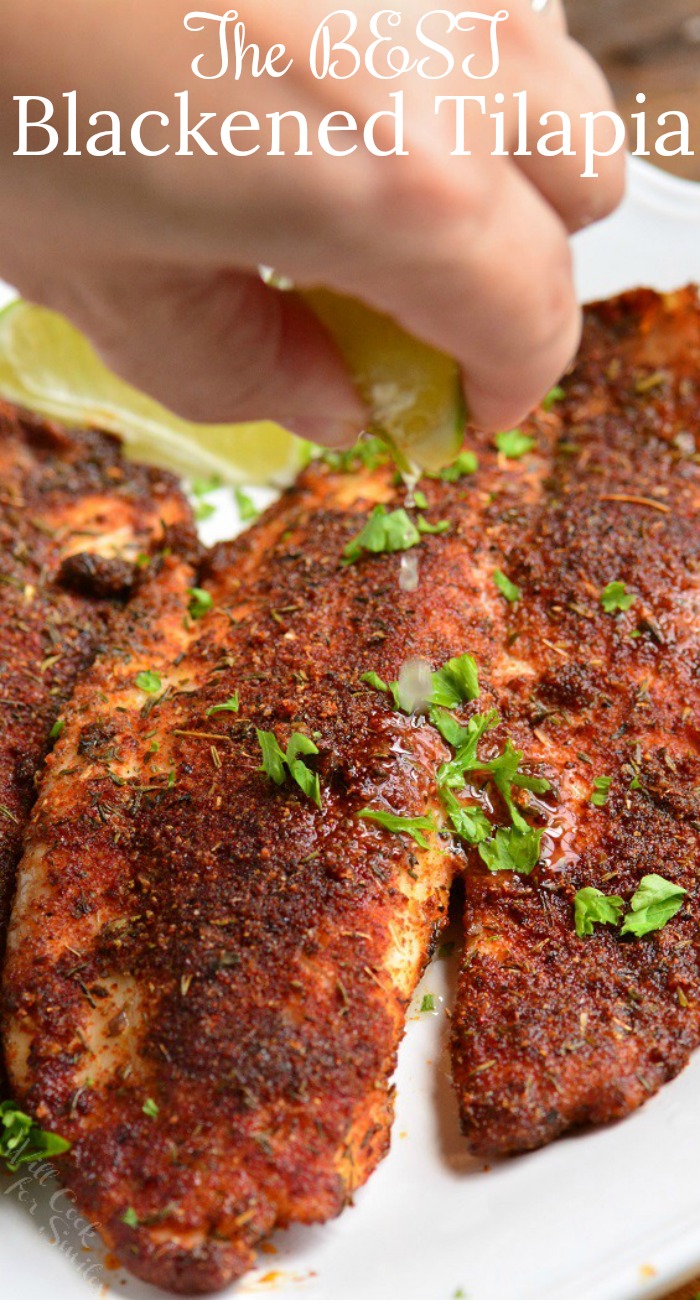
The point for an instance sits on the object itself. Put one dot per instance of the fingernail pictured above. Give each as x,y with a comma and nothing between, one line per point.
327,433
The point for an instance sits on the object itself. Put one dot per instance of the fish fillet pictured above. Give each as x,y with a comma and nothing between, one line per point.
552,1031
208,976
73,518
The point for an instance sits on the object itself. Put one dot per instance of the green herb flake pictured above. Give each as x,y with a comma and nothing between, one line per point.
465,464
247,509
653,905
451,774
142,560
274,758
22,1140
616,597
276,763
507,588
202,487
57,728
601,791
200,602
151,1108
231,705
149,682
368,453
383,532
514,444
130,1217
420,499
469,821
593,907
457,682
373,679
203,511
413,826
512,850
553,396
433,529
428,1003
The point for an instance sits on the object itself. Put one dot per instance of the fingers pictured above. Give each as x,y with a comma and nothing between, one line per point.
568,99
220,349
490,284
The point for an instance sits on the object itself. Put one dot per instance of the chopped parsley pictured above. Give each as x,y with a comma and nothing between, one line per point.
469,821
512,849
428,1003
593,907
57,728
383,532
655,902
456,682
616,597
420,499
130,1217
373,679
465,464
553,396
507,588
451,774
387,532
22,1140
202,487
413,826
247,509
601,791
149,682
276,763
151,1108
443,526
505,772
200,602
231,705
514,444
368,453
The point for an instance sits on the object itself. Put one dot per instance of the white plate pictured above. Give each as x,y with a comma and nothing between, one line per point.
609,1215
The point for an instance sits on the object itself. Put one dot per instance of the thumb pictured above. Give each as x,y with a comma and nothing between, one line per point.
218,348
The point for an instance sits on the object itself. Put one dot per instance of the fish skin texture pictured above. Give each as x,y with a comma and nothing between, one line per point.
188,933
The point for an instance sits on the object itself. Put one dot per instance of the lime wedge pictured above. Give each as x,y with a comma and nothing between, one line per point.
49,366
413,391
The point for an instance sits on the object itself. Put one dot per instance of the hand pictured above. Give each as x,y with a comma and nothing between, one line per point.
156,258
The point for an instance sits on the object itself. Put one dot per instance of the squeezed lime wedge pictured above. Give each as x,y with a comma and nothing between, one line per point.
49,366
413,391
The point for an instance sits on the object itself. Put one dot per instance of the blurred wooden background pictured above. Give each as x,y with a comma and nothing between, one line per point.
648,46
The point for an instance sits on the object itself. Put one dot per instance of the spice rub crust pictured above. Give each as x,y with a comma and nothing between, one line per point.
73,519
551,1030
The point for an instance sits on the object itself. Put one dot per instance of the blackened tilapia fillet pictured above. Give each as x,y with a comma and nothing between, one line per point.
73,519
192,939
551,1030
208,976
